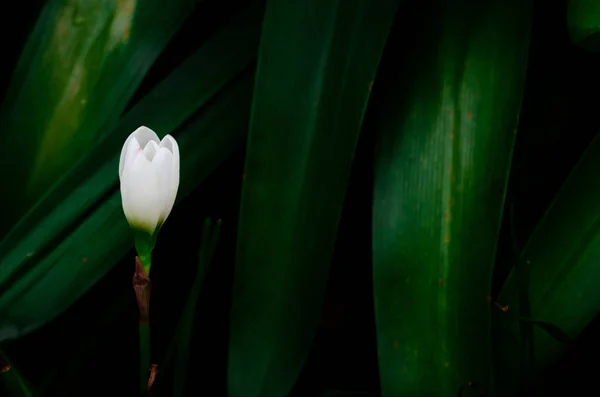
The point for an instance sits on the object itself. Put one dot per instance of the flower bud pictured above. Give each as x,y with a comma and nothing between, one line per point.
149,175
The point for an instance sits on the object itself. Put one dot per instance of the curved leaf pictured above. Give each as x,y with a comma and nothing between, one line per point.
183,334
552,330
317,61
562,257
14,382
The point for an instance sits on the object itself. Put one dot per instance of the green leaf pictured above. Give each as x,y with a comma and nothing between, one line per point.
15,383
183,335
583,21
562,257
445,119
552,330
316,64
79,68
78,231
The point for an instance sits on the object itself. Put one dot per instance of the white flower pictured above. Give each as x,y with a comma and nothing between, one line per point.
149,175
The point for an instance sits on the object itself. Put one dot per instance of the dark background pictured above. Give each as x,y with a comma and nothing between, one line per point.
92,347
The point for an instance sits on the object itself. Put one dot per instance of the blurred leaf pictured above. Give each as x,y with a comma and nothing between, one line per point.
14,383
181,345
552,330
445,118
78,231
562,257
317,62
583,20
79,68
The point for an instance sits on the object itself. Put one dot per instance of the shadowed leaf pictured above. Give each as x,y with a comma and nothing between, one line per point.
316,65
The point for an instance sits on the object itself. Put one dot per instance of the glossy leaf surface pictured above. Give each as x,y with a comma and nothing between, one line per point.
316,65
445,114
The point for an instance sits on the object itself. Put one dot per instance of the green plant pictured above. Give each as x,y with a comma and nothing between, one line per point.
285,90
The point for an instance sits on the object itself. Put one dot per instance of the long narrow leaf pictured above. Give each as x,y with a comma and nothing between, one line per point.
183,336
446,126
81,64
562,258
14,382
558,334
316,65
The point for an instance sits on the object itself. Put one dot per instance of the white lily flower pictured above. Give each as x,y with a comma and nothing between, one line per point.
149,175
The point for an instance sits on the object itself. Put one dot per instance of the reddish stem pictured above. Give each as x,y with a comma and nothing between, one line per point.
142,287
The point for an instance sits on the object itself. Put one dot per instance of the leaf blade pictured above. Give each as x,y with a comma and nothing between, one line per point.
316,62
552,330
445,133
15,383
561,257
183,335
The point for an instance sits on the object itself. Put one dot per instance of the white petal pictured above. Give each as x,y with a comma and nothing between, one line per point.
163,164
145,135
142,135
128,153
170,143
140,194
150,150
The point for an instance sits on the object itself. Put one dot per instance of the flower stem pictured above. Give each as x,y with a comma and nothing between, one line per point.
142,287
144,355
